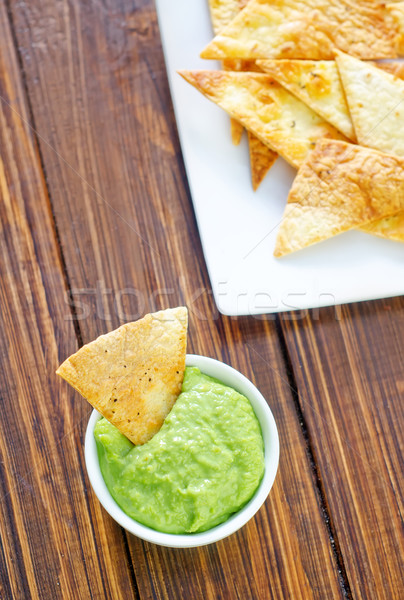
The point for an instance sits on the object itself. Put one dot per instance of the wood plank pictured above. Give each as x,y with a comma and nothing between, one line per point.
96,77
349,372
47,523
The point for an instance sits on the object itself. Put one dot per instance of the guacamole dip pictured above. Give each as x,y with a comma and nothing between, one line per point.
204,464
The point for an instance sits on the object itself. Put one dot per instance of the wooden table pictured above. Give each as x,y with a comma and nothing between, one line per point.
97,228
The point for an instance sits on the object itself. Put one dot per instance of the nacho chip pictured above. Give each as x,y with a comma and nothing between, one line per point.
391,228
236,131
317,84
368,89
376,103
222,12
239,65
397,12
340,187
134,374
395,67
309,30
261,159
236,128
279,119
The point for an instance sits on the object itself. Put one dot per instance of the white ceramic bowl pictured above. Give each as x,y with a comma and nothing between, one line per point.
236,380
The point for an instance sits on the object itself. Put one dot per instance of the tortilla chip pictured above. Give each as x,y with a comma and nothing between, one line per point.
395,67
309,30
222,12
397,13
261,160
236,130
279,119
391,228
368,90
261,157
134,374
317,84
340,187
376,103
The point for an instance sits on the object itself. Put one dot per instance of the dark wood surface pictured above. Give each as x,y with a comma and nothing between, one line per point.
97,228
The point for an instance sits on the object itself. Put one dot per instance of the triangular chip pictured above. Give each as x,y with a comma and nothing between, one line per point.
391,228
340,187
310,30
235,64
376,103
236,130
397,11
395,67
239,64
134,374
318,85
222,12
264,107
261,159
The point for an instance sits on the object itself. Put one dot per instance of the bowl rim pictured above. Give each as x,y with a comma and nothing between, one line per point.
229,376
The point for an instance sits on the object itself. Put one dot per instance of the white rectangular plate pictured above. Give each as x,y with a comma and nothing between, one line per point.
237,226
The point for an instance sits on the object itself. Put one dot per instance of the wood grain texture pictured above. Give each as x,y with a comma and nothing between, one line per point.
349,372
48,548
96,79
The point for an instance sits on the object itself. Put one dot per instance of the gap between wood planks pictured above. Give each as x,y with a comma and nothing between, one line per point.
311,455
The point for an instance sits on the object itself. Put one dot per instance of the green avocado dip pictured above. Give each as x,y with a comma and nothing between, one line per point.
204,464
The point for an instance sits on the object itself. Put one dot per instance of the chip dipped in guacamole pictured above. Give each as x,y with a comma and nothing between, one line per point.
133,375
203,465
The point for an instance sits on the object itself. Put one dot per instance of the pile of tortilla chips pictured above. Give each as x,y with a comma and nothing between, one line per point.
301,79
133,375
